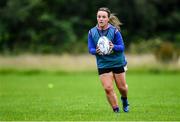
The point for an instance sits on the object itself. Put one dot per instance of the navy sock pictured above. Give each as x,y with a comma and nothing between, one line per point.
124,101
124,98
116,109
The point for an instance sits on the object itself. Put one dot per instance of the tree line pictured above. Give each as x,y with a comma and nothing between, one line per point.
58,26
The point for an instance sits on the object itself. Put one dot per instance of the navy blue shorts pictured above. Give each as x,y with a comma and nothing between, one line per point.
116,70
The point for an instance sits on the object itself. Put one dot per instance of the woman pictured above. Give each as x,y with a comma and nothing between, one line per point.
111,67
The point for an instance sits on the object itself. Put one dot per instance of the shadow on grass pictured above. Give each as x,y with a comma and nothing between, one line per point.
61,72
40,71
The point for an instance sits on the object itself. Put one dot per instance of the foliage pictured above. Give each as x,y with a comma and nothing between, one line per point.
166,52
43,26
144,46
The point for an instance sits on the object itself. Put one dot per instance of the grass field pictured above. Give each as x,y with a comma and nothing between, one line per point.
79,96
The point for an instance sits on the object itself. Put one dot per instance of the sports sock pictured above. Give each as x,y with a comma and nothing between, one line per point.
116,109
124,98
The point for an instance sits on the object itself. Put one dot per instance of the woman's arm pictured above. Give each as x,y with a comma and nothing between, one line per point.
118,43
91,45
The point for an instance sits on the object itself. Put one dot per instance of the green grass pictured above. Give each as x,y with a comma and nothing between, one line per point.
80,96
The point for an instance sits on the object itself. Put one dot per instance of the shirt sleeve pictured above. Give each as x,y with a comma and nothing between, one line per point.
91,45
118,42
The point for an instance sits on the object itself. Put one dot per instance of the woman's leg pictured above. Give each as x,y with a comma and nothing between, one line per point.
123,89
121,83
107,82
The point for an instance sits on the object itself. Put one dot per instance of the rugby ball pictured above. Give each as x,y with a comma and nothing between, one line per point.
103,44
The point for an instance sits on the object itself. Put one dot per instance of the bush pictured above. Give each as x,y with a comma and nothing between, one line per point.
166,52
144,46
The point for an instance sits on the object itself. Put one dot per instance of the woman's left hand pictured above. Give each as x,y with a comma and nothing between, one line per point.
111,46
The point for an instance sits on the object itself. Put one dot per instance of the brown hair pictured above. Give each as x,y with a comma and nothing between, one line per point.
112,17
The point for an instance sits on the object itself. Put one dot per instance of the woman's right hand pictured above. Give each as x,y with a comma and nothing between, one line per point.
98,51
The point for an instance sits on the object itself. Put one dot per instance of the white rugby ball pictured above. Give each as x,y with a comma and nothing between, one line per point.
103,44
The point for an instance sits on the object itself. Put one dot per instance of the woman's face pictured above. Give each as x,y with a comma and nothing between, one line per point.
102,19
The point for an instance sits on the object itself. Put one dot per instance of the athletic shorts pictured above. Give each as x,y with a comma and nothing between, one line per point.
115,70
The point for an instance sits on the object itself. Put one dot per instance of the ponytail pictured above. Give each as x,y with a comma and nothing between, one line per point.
115,21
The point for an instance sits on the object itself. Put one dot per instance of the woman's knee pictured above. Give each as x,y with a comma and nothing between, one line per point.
108,89
123,87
